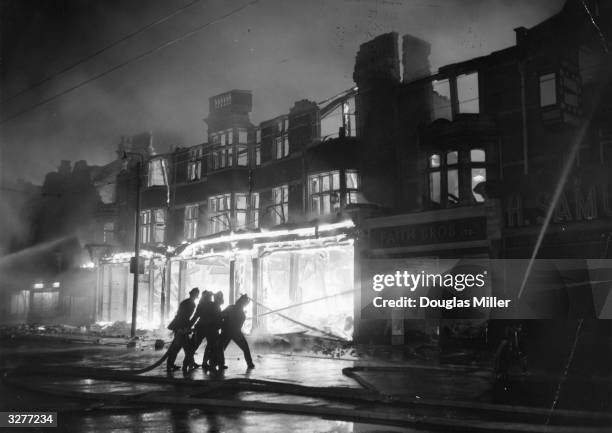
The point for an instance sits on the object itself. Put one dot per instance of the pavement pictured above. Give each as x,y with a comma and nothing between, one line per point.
465,393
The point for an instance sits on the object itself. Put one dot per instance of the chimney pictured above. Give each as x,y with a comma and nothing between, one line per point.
521,34
64,167
415,58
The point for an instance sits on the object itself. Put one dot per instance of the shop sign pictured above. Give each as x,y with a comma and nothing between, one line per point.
457,230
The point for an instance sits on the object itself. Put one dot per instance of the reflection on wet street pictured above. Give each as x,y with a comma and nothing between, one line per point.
191,403
80,415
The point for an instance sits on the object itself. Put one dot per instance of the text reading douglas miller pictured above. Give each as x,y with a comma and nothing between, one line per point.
411,281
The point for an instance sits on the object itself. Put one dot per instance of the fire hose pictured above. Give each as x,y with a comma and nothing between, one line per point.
369,395
372,406
271,311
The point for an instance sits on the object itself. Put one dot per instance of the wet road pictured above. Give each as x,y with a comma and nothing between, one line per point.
434,383
89,416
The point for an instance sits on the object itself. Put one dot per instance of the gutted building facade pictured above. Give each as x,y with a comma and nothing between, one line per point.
409,164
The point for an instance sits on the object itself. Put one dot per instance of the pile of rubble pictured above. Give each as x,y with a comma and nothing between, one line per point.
119,329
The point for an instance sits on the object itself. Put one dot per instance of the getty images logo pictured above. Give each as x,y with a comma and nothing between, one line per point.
411,281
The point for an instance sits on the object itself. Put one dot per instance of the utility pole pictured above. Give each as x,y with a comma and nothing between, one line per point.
136,249
136,269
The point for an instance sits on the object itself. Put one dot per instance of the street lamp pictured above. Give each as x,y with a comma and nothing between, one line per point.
136,269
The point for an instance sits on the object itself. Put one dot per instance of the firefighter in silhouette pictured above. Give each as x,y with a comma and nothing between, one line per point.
213,354
510,351
181,326
233,318
198,325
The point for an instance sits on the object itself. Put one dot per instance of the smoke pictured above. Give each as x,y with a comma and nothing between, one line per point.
282,50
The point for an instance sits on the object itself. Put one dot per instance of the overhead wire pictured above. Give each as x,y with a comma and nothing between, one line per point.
127,62
100,51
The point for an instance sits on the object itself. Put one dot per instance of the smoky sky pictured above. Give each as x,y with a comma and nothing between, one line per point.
282,50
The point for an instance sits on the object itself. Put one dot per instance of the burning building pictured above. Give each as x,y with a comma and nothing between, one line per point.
408,164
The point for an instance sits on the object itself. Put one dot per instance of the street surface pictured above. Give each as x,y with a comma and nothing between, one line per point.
426,383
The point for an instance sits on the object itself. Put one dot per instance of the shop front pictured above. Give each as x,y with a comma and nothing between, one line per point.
115,288
298,279
435,244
